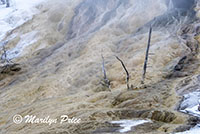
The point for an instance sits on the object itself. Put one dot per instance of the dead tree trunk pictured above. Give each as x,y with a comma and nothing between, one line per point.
103,67
127,74
4,57
146,57
105,79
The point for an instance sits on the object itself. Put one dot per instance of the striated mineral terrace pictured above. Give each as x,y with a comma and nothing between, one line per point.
56,51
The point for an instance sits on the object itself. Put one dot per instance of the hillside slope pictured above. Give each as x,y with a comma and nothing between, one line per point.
59,52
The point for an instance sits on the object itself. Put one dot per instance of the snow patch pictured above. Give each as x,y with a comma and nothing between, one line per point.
20,12
190,106
26,40
190,100
195,130
128,124
192,111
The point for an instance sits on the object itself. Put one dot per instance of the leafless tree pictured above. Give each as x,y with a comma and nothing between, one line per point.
127,74
146,57
106,81
4,58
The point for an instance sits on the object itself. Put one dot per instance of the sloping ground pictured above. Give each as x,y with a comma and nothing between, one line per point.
59,55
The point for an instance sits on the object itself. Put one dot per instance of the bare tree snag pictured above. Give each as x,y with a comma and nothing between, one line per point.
103,67
105,79
4,55
127,74
4,58
146,57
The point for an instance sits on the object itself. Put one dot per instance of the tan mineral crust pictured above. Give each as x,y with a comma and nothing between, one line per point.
60,73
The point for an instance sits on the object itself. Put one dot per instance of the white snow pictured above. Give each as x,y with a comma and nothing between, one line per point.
195,130
20,12
193,111
190,104
128,124
191,99
25,40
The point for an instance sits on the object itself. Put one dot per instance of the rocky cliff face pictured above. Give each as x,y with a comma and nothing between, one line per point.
59,66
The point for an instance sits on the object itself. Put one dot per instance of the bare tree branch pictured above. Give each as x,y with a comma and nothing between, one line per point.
127,74
4,54
105,79
146,57
103,67
4,57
